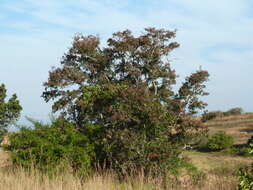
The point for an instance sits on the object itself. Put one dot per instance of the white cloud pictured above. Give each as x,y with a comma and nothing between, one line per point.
215,34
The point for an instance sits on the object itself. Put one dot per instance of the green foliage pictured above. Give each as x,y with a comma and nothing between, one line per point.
245,150
246,178
9,110
128,134
250,145
220,141
48,147
242,151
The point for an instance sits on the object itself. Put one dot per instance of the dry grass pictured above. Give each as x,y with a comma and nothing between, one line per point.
207,161
19,179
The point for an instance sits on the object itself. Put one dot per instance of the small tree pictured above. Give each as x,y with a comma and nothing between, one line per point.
9,110
190,90
121,97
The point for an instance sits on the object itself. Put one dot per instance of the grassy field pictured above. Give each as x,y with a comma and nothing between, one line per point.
219,168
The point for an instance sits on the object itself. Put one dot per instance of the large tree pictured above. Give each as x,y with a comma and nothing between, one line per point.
122,95
9,110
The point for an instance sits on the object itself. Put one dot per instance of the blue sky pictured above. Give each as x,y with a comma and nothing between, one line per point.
215,34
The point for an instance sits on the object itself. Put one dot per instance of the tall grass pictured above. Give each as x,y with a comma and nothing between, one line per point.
21,179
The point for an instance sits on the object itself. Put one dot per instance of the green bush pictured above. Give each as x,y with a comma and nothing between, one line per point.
48,147
245,150
246,178
242,151
220,141
250,142
250,145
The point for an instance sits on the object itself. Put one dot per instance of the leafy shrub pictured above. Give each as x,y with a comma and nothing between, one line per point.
250,141
246,178
242,151
245,150
210,115
220,141
48,147
250,145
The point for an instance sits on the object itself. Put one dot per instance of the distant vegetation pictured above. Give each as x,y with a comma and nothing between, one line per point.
214,114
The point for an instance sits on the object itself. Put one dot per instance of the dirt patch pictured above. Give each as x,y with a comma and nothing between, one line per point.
5,159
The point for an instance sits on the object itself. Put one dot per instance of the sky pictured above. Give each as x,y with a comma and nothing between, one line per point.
214,34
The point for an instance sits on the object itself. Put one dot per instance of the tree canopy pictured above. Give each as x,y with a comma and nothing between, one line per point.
9,110
122,96
137,61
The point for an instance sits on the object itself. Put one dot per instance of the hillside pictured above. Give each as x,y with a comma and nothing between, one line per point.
240,126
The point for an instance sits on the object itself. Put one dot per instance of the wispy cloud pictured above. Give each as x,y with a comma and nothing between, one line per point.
214,34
